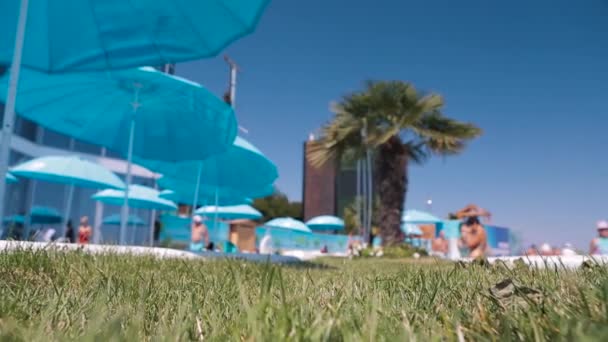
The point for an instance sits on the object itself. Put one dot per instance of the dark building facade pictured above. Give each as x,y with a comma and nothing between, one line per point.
319,188
329,189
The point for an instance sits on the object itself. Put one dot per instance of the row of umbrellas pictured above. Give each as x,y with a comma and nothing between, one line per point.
46,215
86,87
75,171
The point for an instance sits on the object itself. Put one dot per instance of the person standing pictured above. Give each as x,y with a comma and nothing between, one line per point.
84,231
69,232
157,228
199,234
599,245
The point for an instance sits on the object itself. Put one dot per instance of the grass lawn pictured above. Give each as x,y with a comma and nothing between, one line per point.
48,296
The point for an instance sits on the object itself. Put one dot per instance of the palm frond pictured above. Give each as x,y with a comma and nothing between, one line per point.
445,135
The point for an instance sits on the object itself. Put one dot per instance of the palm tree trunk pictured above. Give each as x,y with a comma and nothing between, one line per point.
391,180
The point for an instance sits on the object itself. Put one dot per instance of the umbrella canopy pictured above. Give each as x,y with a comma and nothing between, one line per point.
419,217
241,167
207,193
45,215
139,196
14,219
411,229
122,34
165,113
289,224
234,212
325,222
114,220
11,179
70,170
38,215
181,197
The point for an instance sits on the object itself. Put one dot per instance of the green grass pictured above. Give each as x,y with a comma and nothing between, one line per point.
46,296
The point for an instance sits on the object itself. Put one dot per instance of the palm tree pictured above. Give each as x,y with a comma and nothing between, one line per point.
400,126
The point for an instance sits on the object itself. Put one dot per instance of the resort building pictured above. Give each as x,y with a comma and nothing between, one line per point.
329,189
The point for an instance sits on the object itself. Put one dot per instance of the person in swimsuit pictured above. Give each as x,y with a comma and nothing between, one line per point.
84,231
599,245
474,238
200,234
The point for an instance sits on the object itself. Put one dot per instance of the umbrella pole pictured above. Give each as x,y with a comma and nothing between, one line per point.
217,194
152,223
358,199
125,205
370,191
68,209
28,215
97,224
9,108
364,202
153,220
133,230
197,188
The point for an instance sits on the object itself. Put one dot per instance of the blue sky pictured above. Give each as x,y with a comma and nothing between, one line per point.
532,74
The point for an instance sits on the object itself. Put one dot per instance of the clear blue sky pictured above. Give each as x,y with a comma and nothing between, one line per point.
532,74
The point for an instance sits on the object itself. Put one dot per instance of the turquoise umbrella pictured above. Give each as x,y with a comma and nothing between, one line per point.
163,113
234,212
11,179
69,170
123,34
325,222
114,220
419,217
139,196
38,215
241,167
137,111
289,224
45,215
14,219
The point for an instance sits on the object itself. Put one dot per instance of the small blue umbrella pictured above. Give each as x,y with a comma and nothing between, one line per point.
419,217
234,212
139,196
38,215
289,224
114,220
325,222
11,179
45,215
14,219
69,170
